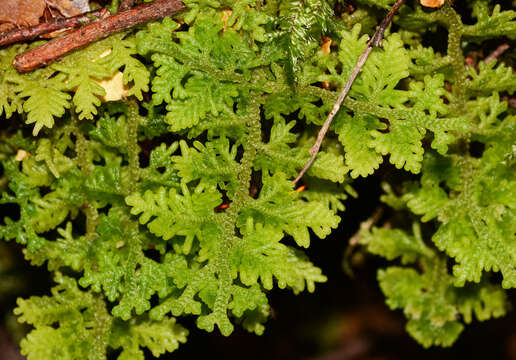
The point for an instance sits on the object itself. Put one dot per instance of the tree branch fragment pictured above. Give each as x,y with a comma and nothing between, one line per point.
31,32
97,30
375,41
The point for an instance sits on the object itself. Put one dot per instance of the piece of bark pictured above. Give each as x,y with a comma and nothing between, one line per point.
21,12
97,30
29,33
69,8
6,27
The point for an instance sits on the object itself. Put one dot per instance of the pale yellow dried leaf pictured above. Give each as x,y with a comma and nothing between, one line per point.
114,86
21,154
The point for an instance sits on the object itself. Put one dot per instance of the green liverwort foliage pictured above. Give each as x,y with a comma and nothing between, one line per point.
466,193
178,200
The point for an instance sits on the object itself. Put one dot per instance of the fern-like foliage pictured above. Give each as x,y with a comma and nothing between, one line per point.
466,192
85,328
46,94
178,200
299,28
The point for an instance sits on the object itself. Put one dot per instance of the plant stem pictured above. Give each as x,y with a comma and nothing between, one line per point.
83,161
133,148
375,41
455,53
97,30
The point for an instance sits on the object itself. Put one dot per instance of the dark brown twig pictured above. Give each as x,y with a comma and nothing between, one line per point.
31,32
97,30
375,41
497,53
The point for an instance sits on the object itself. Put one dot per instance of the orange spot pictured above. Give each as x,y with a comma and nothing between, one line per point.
325,47
301,188
432,3
222,207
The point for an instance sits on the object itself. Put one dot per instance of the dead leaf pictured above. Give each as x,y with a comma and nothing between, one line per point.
69,8
114,86
20,13
21,154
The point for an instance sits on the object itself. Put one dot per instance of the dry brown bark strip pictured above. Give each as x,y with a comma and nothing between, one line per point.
97,30
29,33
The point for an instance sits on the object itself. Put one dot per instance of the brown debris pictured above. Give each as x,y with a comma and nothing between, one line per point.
97,30
20,13
51,27
69,8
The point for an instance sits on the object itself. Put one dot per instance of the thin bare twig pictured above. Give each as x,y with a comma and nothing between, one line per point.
31,32
97,30
354,241
497,53
375,41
